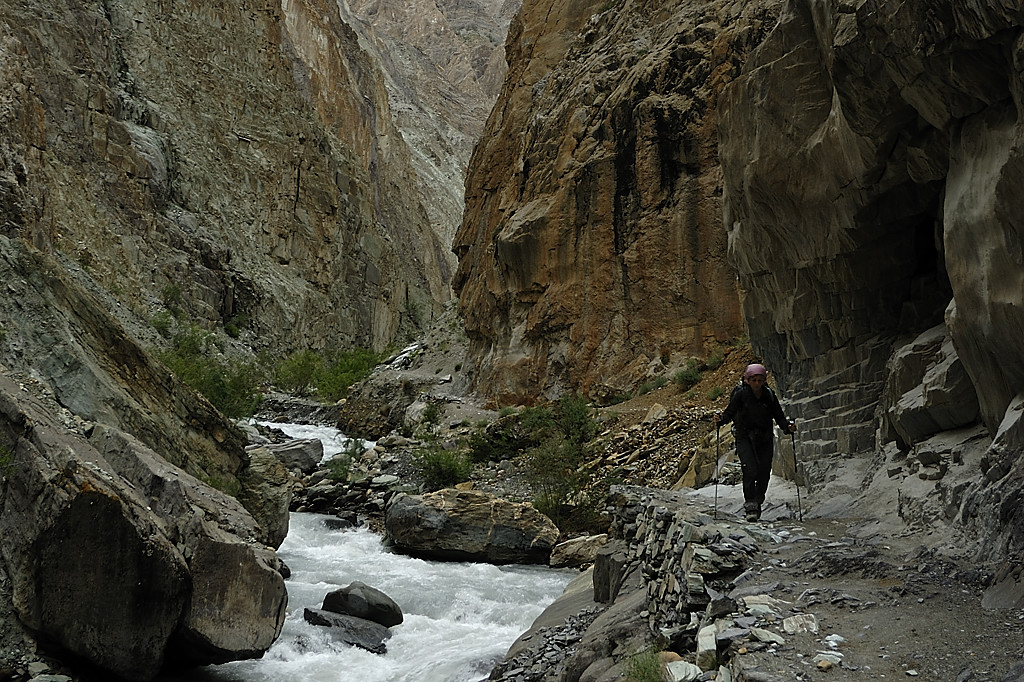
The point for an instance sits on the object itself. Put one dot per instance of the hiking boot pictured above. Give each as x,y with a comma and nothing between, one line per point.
752,515
751,511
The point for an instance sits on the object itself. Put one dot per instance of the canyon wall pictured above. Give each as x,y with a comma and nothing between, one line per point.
245,153
592,252
872,155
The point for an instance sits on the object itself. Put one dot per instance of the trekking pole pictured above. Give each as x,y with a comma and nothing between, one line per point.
796,476
718,439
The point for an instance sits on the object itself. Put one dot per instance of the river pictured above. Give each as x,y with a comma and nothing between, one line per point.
460,618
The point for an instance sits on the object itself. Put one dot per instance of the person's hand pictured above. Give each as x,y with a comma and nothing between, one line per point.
718,418
792,427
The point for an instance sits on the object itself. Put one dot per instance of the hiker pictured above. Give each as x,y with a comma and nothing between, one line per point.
752,407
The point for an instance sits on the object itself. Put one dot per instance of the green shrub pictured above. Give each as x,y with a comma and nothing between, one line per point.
6,460
715,393
344,369
645,666
297,372
715,358
231,386
432,413
161,322
575,419
339,467
687,378
441,468
652,385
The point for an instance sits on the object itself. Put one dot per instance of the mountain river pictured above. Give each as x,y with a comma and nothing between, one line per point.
460,618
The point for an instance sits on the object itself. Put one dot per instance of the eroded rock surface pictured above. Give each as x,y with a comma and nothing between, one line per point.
592,253
871,153
122,558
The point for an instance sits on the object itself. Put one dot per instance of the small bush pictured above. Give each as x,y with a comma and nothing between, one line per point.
687,378
344,369
339,467
442,468
645,666
652,385
715,359
161,322
575,419
6,460
297,372
432,413
715,393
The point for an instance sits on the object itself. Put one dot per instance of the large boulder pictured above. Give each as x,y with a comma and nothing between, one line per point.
362,601
358,632
468,525
122,558
927,389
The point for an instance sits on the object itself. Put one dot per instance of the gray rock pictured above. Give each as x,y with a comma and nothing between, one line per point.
467,525
129,560
363,601
303,454
358,632
577,551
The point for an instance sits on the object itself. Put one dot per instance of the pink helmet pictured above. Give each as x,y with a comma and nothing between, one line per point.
755,369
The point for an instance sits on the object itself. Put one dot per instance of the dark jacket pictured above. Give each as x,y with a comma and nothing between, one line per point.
752,416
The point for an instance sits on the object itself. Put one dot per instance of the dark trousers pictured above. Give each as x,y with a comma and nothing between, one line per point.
756,461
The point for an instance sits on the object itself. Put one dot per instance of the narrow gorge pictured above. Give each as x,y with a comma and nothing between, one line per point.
595,193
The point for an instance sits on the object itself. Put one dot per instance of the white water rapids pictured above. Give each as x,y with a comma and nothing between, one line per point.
460,618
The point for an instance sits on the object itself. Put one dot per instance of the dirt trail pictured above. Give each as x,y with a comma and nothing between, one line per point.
886,607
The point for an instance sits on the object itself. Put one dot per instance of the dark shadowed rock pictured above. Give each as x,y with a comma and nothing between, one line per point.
362,601
358,632
124,559
466,525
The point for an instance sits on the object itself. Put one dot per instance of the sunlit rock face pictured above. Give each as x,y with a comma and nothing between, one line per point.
872,155
592,252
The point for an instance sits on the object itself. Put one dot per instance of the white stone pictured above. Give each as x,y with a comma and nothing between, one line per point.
683,671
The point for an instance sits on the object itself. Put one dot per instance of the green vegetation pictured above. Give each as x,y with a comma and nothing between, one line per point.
340,466
432,413
715,393
442,468
689,376
556,467
329,377
161,321
231,386
652,385
645,666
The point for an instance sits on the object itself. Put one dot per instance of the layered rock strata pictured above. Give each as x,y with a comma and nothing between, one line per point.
871,153
245,153
592,254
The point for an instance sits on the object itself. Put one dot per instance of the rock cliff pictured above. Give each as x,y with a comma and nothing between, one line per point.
246,153
592,254
249,158
872,156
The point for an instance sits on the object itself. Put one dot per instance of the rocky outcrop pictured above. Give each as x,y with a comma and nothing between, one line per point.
592,253
466,525
246,154
121,558
870,154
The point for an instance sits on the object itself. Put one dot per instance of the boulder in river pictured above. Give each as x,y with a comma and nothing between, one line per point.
362,601
469,525
359,632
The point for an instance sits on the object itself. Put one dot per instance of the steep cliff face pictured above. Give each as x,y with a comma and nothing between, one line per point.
592,254
443,65
872,156
244,152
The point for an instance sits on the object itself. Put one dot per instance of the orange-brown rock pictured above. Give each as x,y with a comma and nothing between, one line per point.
592,251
